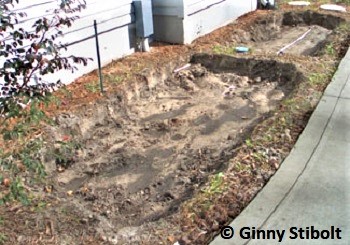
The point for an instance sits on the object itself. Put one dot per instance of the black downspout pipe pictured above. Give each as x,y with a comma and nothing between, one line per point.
98,57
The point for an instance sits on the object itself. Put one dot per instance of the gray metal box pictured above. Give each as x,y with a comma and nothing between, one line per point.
144,18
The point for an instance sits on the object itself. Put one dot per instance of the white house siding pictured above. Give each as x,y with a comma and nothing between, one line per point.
182,21
175,21
116,27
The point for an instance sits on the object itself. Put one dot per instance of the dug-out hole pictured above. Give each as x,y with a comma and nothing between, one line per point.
151,146
277,30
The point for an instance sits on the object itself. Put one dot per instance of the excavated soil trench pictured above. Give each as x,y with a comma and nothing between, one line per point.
271,34
147,149
151,146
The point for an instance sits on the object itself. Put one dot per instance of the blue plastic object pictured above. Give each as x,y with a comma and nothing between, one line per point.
242,49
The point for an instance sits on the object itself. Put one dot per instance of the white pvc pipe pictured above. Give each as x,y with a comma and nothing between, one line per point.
145,45
294,42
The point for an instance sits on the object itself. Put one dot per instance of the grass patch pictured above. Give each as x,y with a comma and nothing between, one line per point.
92,87
115,79
318,79
218,49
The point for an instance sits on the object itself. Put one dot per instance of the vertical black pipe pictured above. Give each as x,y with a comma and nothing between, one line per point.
98,57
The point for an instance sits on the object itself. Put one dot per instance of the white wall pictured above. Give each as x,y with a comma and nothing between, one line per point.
183,21
117,34
168,7
115,19
193,6
175,21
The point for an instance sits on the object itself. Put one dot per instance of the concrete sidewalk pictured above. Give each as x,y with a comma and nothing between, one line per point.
312,187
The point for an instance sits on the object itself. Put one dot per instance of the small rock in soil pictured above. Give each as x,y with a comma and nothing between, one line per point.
258,80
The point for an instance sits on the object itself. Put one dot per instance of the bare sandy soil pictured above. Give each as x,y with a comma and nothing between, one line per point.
149,148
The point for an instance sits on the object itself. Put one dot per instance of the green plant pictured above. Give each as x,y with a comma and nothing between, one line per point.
3,238
267,137
16,192
65,153
330,49
115,78
30,157
41,205
66,92
291,105
343,27
28,160
55,100
216,184
28,55
240,167
31,53
249,143
92,87
27,119
259,156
